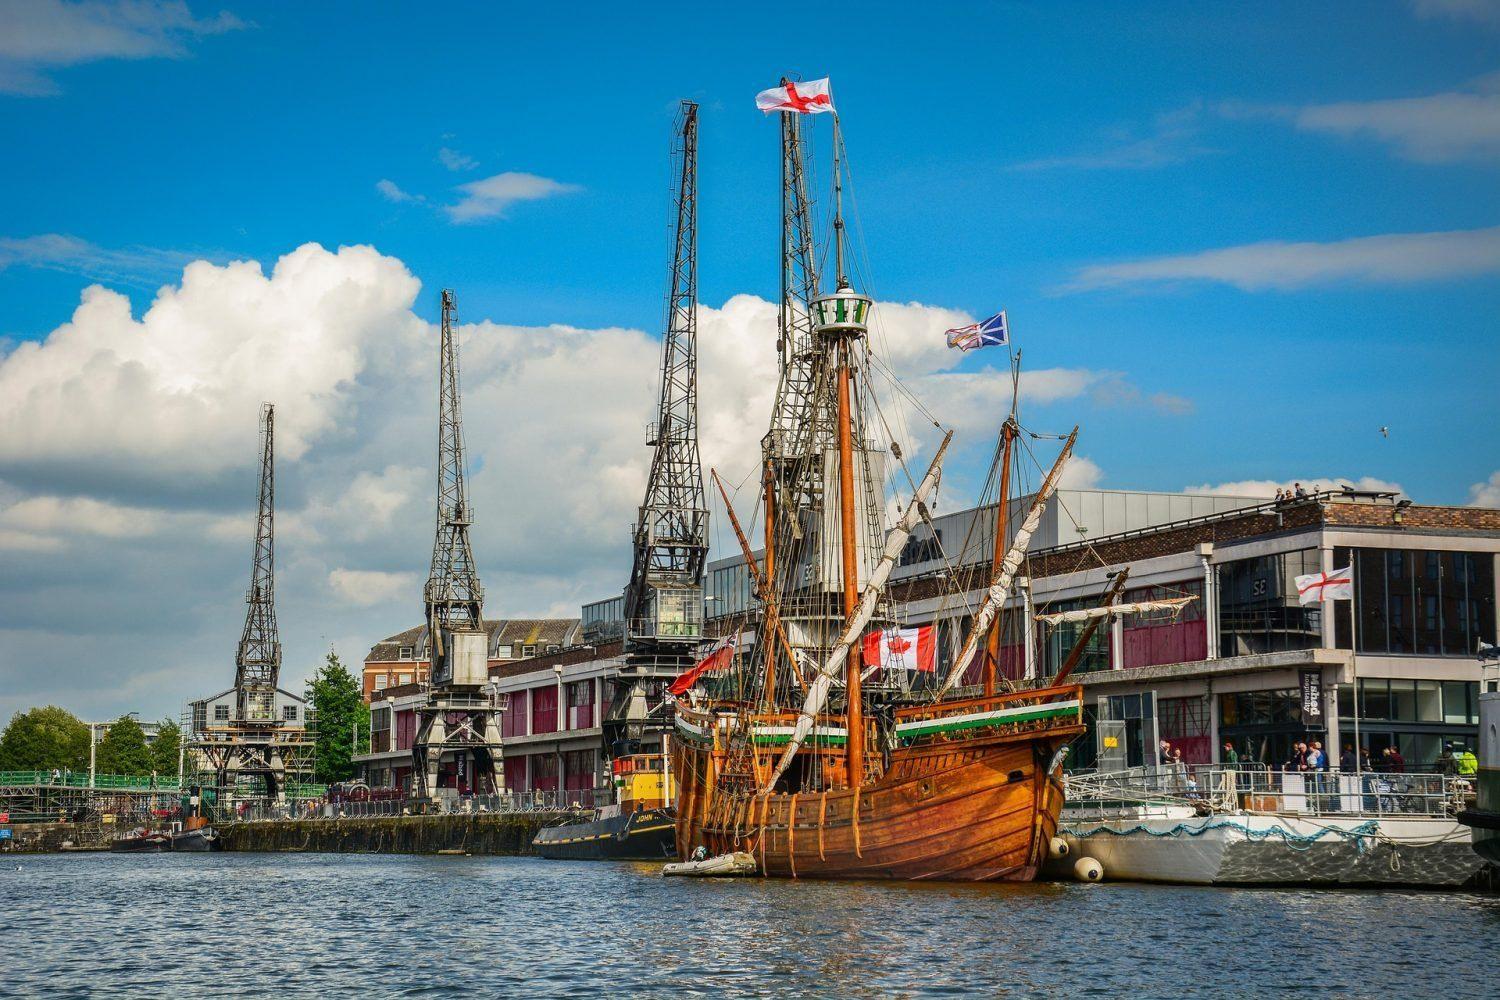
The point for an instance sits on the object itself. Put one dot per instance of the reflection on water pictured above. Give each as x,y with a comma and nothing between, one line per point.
416,926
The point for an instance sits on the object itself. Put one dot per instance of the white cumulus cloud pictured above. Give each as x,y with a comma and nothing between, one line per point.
1487,493
128,461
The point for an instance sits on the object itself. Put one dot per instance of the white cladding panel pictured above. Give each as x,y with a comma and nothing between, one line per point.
468,654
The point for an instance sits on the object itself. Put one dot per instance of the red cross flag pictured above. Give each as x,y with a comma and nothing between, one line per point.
902,649
1335,586
810,97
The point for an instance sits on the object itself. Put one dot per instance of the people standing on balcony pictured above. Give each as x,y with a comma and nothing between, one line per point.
1348,760
1229,756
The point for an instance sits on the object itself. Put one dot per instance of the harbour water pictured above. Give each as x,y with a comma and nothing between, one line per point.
299,924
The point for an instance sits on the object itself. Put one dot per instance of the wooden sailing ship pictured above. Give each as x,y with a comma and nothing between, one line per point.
878,774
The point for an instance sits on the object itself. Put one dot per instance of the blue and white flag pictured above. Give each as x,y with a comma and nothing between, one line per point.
992,332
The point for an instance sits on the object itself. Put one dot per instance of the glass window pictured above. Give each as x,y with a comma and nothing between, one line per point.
1424,603
289,713
503,653
1429,701
1403,701
1258,608
1057,642
406,652
1455,702
528,651
221,713
1377,699
382,681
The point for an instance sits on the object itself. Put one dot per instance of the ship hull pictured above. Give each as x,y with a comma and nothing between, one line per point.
971,810
646,835
151,843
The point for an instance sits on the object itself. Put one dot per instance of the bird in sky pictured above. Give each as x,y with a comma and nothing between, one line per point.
1385,432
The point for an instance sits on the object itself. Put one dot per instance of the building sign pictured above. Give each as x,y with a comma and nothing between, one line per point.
1312,696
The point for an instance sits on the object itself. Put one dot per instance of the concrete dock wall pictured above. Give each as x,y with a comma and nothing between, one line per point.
475,834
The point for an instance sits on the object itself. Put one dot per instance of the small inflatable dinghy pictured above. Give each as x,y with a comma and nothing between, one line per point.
737,863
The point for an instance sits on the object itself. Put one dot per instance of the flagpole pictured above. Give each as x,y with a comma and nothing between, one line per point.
1354,662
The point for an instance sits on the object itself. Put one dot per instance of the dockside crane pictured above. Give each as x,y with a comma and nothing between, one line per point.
252,739
664,599
461,715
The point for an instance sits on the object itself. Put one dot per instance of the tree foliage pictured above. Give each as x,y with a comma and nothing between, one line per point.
44,739
340,710
123,749
164,748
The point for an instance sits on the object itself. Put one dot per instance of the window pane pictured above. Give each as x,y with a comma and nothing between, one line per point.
1258,608
1455,702
1377,699
1429,701
1403,701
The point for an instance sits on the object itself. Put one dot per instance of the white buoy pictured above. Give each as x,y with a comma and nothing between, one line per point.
1088,870
1057,849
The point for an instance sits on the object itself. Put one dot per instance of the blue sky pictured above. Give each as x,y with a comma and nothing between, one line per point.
257,139
1262,232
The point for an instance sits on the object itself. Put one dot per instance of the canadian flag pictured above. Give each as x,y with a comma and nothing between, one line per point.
717,661
902,649
810,97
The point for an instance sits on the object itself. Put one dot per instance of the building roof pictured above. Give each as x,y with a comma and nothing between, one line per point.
513,632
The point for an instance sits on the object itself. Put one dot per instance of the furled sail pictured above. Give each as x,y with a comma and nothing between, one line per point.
1135,607
822,683
999,590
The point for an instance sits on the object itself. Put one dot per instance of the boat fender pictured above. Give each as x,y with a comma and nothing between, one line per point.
1057,849
1088,870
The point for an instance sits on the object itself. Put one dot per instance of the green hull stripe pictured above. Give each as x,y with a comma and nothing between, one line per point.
912,730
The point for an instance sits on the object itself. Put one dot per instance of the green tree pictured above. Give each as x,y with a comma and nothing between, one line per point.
164,748
340,711
45,738
123,749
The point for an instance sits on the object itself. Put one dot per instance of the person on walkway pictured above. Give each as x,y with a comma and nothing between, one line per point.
1398,762
1229,757
1348,760
1445,763
1468,764
1316,759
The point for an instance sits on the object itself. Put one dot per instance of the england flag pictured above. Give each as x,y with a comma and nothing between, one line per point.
1335,586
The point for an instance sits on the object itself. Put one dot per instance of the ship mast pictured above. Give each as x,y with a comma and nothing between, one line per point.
1008,432
854,704
664,599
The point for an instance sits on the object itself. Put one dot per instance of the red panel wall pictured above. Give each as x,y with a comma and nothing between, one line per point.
542,768
1174,642
544,709
513,722
515,772
406,729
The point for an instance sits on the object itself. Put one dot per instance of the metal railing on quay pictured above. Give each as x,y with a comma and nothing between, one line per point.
1257,789
80,779
551,802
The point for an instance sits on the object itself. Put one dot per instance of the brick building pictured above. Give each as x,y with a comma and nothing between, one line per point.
1243,662
404,659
